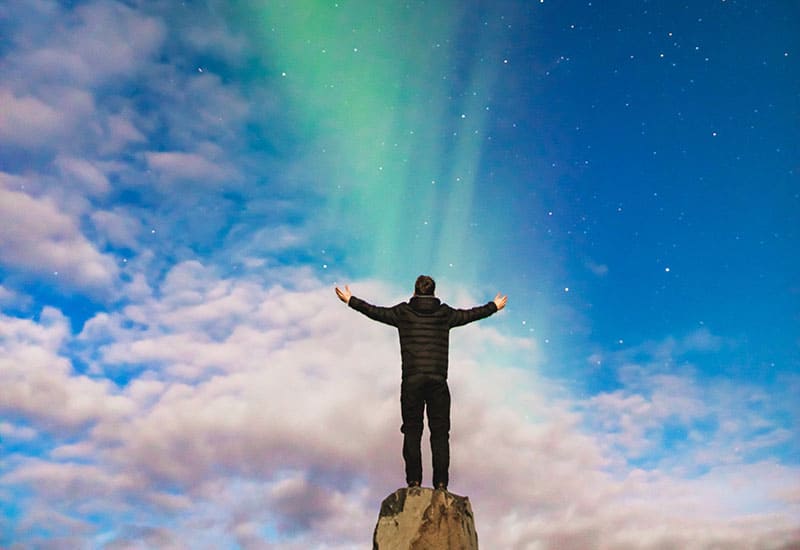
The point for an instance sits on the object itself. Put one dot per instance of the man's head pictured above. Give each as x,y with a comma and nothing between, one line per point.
424,286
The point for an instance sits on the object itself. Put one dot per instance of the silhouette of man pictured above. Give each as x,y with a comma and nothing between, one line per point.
424,325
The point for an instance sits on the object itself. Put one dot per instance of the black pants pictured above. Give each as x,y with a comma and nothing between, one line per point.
417,393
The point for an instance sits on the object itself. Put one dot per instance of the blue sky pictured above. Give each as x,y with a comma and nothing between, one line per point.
182,185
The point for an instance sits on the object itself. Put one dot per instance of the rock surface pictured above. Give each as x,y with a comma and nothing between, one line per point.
419,518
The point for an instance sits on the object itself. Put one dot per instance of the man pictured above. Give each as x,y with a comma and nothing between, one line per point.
424,325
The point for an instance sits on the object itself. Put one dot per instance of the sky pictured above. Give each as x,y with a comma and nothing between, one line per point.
183,184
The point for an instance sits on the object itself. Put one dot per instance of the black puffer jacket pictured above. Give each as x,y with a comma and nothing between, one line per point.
424,325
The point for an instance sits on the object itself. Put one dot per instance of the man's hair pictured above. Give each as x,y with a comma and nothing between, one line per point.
424,286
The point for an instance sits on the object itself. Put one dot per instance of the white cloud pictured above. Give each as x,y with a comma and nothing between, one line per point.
14,432
118,227
273,239
39,384
176,165
83,174
598,269
113,39
6,295
97,42
665,352
121,132
11,298
28,121
666,414
267,408
213,38
48,119
37,237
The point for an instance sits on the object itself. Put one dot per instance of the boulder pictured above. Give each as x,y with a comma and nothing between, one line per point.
418,518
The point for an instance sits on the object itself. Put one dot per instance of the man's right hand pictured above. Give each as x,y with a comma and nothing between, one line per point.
344,295
500,301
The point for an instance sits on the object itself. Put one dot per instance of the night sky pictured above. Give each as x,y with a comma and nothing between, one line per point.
183,184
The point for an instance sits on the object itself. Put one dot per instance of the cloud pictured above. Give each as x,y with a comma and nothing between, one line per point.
598,269
10,298
669,415
301,504
663,353
121,131
14,432
118,227
269,415
108,111
174,165
94,44
28,121
45,120
213,38
36,237
83,174
257,248
39,385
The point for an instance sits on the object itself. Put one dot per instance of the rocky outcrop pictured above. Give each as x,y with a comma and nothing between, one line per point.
418,518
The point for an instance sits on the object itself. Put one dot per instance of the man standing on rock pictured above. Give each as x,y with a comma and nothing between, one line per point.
424,325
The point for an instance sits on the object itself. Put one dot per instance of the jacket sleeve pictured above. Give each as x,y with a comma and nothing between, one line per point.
386,315
460,317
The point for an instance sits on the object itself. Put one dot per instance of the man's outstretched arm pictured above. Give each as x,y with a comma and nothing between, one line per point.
463,316
386,315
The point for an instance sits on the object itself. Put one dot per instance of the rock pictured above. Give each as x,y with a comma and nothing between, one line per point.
419,518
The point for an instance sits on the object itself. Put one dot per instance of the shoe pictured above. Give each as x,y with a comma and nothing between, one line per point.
413,483
441,487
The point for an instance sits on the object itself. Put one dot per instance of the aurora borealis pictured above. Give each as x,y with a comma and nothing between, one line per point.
183,183
370,107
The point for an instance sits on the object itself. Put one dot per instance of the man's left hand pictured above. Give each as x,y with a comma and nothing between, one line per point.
344,295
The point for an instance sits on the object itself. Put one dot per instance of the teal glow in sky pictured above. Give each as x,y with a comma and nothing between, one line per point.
182,185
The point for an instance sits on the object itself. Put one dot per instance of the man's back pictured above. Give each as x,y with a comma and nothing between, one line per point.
424,324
